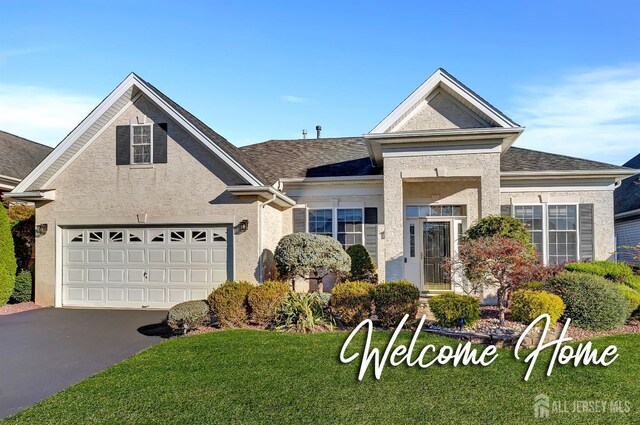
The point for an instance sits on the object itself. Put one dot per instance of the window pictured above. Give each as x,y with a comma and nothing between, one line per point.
531,217
563,233
344,224
412,240
416,211
141,144
350,226
321,222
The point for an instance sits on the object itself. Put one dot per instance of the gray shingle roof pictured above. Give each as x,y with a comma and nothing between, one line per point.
223,143
627,195
348,156
19,156
520,159
328,157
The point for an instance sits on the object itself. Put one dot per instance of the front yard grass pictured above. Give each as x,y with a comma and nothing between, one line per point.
245,376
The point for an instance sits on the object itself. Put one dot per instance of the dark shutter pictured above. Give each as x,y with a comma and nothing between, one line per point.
505,210
371,215
299,220
160,143
123,145
586,232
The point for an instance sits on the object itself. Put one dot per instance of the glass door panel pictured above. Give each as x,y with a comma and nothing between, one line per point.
436,238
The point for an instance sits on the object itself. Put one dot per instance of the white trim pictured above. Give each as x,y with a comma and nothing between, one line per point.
59,277
10,179
346,179
559,188
36,195
121,89
131,131
441,77
514,175
432,151
264,191
445,134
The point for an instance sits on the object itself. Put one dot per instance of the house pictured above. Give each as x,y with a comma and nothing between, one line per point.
627,214
142,205
18,156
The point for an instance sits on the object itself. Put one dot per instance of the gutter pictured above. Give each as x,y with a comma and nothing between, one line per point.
264,191
338,179
627,213
31,196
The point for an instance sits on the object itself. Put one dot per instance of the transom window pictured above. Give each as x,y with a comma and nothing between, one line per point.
417,211
344,224
141,144
531,217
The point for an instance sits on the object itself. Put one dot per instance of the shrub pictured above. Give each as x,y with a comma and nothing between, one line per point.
23,228
534,285
448,308
7,259
617,272
526,305
264,301
592,302
633,282
500,225
362,266
23,288
302,313
229,303
394,299
351,301
311,257
189,315
633,298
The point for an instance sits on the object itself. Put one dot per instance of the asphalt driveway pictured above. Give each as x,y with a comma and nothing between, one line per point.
47,350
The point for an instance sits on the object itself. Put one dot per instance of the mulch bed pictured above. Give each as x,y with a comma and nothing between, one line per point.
18,308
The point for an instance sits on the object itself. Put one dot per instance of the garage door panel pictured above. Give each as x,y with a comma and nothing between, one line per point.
142,267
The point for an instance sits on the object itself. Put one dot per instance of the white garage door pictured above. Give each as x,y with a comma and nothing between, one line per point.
150,267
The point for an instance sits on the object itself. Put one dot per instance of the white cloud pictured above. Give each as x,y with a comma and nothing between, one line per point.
591,114
293,99
42,115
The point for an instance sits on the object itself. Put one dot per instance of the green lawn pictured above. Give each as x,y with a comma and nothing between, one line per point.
246,376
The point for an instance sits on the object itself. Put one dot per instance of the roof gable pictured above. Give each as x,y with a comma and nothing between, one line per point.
443,102
108,110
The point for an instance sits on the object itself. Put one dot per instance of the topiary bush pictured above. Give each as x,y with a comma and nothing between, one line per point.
7,258
448,308
499,225
303,313
394,299
362,266
633,298
264,301
229,303
352,301
526,305
23,288
189,315
592,302
611,270
311,257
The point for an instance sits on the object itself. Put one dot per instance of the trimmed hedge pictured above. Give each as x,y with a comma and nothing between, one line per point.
394,299
592,301
352,301
633,282
23,289
499,225
611,270
189,315
526,305
448,308
362,265
8,264
264,301
633,298
229,303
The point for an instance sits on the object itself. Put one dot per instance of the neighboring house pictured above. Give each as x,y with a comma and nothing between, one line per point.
143,205
627,214
18,157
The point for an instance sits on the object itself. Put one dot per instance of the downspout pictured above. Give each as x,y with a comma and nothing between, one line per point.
260,231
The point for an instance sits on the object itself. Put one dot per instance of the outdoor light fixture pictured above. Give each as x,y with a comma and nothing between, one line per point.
41,230
243,226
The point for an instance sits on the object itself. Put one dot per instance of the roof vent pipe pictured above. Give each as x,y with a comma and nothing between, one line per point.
318,130
304,133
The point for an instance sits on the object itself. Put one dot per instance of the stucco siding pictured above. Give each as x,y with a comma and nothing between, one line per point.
602,201
192,184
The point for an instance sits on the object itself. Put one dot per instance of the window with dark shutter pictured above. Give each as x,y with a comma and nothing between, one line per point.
123,145
160,143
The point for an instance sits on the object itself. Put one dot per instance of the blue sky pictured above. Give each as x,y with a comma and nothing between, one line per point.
568,71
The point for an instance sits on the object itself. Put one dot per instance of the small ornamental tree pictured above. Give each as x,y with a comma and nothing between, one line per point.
500,225
311,256
496,262
7,259
362,267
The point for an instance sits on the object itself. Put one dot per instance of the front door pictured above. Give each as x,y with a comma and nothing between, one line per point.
436,248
